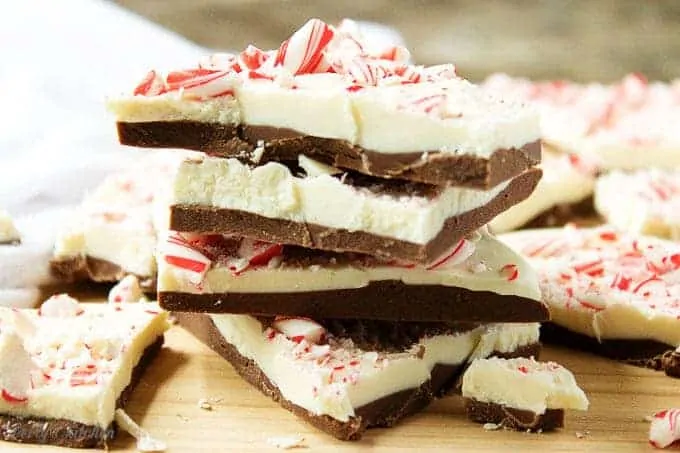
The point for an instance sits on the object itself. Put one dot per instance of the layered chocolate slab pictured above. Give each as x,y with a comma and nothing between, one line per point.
609,292
628,124
563,193
67,366
346,376
323,94
520,393
113,232
479,280
315,206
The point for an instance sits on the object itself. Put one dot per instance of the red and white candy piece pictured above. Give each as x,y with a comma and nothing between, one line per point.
201,83
303,52
439,72
15,368
220,62
665,428
253,58
298,329
253,253
460,252
152,85
179,253
60,306
126,290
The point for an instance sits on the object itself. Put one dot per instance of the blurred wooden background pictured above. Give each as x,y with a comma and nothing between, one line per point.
578,39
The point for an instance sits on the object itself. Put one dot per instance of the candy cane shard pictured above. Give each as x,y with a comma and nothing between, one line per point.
179,253
303,53
665,428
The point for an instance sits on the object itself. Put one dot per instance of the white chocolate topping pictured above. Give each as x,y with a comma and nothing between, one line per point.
480,263
641,202
604,283
80,361
523,384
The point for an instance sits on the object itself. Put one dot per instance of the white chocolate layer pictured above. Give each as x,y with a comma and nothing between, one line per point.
563,182
84,362
338,378
641,202
606,284
485,270
523,384
386,119
466,120
271,190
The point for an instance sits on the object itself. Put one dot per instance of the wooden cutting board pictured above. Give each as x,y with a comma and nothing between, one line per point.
242,420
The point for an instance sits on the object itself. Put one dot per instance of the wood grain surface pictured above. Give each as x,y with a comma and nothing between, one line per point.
242,419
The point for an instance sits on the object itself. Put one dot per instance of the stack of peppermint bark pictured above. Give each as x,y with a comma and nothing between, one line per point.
330,241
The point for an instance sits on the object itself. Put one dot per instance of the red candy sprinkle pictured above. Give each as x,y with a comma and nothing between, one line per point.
12,399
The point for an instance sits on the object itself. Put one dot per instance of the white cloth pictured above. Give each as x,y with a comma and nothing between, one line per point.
56,139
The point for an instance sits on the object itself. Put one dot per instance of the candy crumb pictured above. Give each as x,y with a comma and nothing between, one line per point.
648,418
581,434
287,442
204,404
492,426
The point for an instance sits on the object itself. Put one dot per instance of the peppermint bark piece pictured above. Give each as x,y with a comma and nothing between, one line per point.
113,232
324,208
327,95
608,292
67,366
563,193
641,202
479,280
629,124
346,376
520,393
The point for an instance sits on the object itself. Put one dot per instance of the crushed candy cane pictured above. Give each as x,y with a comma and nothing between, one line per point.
664,429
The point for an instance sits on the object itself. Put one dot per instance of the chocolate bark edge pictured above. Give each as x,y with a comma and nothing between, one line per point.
432,167
508,417
389,300
206,219
563,214
641,352
69,433
384,412
79,268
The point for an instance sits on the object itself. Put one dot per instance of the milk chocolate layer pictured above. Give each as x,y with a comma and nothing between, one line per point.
68,433
508,417
80,268
432,167
383,300
563,214
644,353
384,412
205,219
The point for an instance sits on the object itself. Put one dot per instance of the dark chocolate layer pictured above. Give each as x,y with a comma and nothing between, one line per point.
563,214
388,300
511,418
645,353
432,167
80,268
194,218
384,412
68,433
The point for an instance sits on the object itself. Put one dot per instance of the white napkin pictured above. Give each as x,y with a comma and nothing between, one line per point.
56,139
